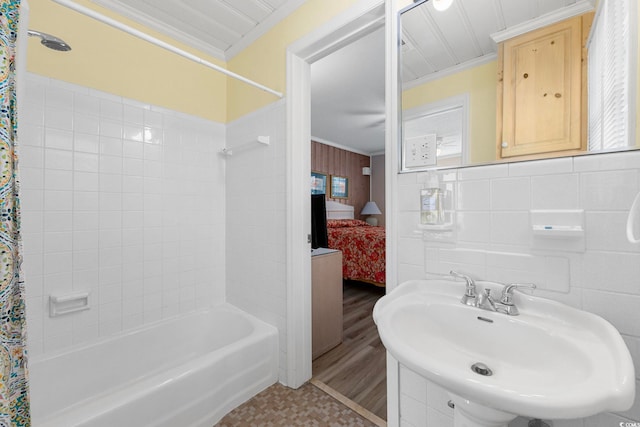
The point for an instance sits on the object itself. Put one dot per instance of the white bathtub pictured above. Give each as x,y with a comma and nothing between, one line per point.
185,372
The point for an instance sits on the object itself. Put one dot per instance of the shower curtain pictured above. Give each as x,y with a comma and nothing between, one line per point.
14,392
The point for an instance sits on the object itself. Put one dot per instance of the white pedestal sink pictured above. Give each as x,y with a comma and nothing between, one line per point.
470,414
551,361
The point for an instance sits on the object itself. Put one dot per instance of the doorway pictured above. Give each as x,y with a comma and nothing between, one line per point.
362,18
347,131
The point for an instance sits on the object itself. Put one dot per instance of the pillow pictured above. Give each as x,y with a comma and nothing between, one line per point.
338,223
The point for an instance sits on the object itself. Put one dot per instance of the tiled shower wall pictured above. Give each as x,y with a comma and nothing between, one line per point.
493,240
256,218
121,199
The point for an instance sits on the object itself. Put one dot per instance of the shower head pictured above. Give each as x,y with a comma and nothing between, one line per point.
52,42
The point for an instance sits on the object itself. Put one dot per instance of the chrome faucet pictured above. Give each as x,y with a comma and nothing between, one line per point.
485,301
470,296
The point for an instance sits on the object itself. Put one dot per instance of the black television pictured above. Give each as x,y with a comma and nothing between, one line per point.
319,237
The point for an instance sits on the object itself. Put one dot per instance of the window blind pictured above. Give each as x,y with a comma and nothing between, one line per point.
610,50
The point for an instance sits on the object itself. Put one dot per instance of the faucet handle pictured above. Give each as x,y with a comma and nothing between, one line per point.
471,284
507,292
470,297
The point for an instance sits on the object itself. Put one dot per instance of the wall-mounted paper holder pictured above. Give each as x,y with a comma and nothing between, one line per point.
66,303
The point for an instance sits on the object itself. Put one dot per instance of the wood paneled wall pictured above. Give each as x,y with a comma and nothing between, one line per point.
378,186
330,160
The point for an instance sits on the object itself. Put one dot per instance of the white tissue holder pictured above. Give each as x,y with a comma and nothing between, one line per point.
70,302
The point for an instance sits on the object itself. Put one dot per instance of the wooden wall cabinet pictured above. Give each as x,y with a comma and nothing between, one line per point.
542,91
326,303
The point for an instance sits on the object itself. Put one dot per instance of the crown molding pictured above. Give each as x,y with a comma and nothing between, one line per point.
578,8
263,27
225,55
337,145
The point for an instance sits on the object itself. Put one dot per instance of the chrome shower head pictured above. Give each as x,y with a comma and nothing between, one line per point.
52,42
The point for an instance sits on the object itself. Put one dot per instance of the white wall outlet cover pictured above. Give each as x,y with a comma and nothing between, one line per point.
420,151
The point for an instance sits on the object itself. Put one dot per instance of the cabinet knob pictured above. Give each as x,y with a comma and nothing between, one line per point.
504,144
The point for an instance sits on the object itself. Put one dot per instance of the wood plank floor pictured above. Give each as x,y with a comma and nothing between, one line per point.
357,367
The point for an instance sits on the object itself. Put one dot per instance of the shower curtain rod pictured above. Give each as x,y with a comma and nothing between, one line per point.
120,26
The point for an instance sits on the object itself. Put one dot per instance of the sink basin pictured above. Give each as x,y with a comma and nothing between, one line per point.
552,361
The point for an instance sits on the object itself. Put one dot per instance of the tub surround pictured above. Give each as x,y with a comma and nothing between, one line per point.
123,200
255,219
127,201
494,240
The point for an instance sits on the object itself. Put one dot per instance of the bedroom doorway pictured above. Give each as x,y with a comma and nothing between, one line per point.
347,133
329,37
339,31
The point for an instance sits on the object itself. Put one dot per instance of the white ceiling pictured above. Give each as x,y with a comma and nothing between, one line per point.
348,85
347,95
221,28
434,41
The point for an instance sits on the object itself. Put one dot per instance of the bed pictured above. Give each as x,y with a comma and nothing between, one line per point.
362,245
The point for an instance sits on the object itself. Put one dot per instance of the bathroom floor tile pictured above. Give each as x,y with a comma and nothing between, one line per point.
282,406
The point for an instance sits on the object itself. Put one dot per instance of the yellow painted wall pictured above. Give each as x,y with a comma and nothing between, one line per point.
115,62
112,61
265,60
480,83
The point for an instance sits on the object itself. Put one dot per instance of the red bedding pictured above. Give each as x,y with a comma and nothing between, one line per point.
363,249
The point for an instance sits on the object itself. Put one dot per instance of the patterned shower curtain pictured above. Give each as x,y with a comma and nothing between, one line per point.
14,392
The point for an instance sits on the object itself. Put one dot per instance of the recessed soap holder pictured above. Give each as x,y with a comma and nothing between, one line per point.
71,302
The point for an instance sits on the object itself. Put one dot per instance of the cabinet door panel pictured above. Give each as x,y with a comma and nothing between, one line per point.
542,93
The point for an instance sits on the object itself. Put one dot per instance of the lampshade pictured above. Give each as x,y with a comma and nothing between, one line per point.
370,209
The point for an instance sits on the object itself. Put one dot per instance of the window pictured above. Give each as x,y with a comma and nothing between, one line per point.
612,48
435,134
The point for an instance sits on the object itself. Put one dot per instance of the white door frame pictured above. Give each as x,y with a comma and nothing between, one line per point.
363,17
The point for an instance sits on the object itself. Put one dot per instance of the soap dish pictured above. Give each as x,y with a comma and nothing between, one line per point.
558,231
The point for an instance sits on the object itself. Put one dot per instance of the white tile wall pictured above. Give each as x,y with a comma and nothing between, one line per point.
256,220
122,199
494,242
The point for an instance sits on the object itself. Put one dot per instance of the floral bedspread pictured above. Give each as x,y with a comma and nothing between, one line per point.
363,249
